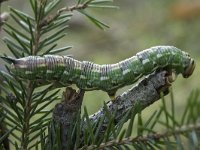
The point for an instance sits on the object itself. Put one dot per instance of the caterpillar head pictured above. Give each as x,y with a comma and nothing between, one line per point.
188,67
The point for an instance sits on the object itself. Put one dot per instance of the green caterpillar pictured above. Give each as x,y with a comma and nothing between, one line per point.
109,77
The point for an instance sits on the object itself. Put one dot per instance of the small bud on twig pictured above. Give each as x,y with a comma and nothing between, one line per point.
4,17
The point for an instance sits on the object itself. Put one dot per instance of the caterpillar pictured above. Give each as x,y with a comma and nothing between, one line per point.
108,77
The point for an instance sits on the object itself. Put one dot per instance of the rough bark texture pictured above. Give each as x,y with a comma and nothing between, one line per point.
145,92
66,112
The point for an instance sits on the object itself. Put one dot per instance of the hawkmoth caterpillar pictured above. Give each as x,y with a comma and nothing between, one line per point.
108,77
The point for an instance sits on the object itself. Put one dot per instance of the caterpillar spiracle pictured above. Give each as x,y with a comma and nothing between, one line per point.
108,77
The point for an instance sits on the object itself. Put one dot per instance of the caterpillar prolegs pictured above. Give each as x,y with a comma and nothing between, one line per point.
108,77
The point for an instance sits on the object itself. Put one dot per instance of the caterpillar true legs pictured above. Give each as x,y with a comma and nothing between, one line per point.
109,77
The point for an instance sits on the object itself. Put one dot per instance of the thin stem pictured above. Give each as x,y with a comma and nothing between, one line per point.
37,39
30,89
74,7
156,137
49,19
27,110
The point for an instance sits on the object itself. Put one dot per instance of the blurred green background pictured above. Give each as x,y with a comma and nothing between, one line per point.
136,25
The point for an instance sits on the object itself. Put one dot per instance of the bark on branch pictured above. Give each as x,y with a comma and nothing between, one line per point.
145,92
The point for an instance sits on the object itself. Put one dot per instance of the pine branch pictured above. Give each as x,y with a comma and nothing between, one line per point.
148,138
145,92
80,7
37,35
25,100
50,18
72,8
65,114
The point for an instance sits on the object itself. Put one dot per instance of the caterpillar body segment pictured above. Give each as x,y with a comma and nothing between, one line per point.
108,77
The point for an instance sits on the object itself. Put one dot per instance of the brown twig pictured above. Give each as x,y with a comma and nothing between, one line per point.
50,18
145,92
71,8
156,137
66,112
